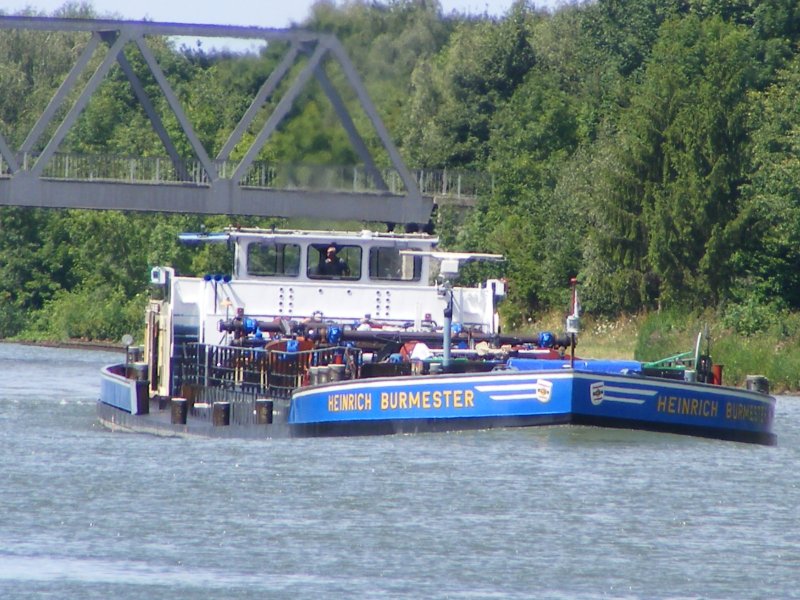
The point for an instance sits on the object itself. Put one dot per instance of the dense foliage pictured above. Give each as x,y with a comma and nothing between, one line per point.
650,148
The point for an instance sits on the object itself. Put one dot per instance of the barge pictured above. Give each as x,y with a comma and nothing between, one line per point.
325,333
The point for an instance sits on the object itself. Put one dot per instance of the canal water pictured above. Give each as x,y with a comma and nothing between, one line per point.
558,512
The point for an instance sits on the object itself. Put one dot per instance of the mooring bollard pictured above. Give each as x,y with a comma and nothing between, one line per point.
314,374
757,383
221,414
336,372
264,409
179,410
142,397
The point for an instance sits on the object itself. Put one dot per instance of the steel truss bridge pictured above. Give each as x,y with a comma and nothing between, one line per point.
37,174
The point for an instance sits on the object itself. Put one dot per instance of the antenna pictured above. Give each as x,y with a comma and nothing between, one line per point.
450,264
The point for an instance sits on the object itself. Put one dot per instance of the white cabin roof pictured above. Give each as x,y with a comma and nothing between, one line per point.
308,236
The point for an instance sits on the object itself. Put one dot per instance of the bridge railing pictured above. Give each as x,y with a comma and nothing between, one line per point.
267,175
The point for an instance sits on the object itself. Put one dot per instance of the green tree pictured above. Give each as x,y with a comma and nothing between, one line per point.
533,135
766,252
32,265
683,138
457,93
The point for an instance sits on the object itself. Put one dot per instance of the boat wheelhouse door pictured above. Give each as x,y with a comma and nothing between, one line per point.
151,346
158,326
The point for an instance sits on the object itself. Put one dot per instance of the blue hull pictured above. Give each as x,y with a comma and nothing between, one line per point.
118,391
673,406
442,403
510,398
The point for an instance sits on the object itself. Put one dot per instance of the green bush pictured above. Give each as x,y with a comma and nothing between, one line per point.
752,316
772,351
102,313
12,317
666,333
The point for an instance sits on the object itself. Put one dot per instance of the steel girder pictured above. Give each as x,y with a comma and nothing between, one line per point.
25,185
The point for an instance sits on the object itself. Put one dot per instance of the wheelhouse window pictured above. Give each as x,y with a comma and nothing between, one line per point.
388,263
332,261
272,259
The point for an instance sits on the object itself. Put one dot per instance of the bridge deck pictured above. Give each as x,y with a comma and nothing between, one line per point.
38,174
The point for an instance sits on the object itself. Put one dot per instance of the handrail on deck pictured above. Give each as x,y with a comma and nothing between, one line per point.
260,371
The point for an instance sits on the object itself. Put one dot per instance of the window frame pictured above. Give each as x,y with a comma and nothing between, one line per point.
351,253
375,266
279,249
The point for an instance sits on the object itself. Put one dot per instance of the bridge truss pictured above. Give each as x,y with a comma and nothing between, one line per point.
35,174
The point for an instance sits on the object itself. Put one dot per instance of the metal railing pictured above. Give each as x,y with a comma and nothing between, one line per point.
162,170
255,372
242,404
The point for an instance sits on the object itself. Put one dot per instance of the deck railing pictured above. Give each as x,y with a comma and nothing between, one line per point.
254,372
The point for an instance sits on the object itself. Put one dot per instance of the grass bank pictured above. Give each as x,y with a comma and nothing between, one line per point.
773,353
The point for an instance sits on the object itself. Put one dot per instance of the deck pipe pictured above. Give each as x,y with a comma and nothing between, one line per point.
386,335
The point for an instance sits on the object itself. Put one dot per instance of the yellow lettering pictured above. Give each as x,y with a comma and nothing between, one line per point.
353,402
408,399
691,406
742,412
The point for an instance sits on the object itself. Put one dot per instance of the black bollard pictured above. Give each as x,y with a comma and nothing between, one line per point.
263,411
221,414
180,409
757,383
142,397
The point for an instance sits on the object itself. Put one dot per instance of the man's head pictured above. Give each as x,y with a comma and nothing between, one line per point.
331,251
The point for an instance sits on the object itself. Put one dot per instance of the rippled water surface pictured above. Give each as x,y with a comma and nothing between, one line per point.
558,512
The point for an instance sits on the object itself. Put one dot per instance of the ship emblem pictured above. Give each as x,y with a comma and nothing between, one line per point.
596,392
544,390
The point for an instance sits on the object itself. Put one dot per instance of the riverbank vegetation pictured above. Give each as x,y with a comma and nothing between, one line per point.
773,352
650,149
